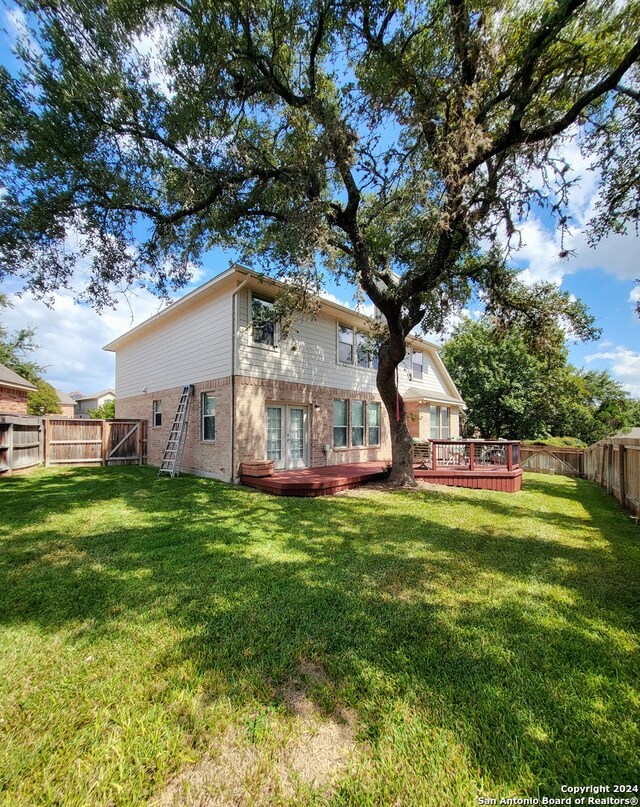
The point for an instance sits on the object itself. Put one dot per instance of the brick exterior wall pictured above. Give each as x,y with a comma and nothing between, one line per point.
13,401
254,394
209,458
417,412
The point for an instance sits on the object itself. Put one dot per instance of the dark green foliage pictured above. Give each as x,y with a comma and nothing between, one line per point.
107,411
43,400
519,389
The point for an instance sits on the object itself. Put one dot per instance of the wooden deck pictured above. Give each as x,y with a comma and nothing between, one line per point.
481,478
333,478
317,481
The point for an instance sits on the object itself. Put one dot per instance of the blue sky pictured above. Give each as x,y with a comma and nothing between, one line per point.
71,336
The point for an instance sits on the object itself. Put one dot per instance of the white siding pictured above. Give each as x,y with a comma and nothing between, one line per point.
192,346
314,359
432,381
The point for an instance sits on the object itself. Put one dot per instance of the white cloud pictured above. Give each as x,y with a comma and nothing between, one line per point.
539,254
16,24
634,295
624,365
71,336
363,308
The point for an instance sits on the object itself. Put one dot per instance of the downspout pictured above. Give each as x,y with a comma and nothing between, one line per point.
234,332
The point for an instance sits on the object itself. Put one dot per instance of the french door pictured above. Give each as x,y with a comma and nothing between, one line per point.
286,436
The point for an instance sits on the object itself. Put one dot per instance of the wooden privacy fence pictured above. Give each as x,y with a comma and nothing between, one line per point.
25,442
20,445
94,442
551,459
615,465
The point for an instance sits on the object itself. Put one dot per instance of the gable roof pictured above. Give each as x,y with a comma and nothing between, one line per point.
10,379
242,273
63,398
95,395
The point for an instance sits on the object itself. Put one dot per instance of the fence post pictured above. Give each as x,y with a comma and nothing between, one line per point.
10,448
140,442
621,473
45,441
604,449
434,456
610,468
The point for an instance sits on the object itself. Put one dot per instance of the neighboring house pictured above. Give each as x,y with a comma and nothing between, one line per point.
303,401
66,403
13,392
86,402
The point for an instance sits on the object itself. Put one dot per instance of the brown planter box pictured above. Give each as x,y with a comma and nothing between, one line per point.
257,468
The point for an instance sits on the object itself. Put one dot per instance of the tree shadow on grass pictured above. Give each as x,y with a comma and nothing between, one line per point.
521,648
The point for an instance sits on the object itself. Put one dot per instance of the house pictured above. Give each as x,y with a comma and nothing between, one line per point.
84,403
66,403
306,400
14,391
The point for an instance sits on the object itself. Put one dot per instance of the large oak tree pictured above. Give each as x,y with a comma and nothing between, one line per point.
393,143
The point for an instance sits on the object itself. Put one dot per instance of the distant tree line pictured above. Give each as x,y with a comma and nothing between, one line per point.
517,390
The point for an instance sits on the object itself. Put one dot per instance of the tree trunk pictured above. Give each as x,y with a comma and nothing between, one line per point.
401,442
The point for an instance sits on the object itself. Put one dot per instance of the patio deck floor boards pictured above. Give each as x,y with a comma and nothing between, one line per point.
330,479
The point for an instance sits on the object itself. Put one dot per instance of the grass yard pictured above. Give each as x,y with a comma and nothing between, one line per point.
187,642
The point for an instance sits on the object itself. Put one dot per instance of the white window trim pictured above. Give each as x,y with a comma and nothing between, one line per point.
413,375
276,331
155,425
365,413
202,417
354,348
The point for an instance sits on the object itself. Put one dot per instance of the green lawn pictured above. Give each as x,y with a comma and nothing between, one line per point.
187,642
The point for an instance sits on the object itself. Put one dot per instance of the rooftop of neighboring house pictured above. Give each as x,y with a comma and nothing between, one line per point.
79,396
64,399
8,378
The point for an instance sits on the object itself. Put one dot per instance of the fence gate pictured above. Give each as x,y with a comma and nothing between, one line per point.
552,459
94,442
124,442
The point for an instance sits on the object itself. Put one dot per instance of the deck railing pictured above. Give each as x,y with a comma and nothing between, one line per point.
475,455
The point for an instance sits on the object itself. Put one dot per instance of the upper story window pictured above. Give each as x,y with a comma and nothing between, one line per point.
345,344
417,365
156,408
263,328
355,347
208,410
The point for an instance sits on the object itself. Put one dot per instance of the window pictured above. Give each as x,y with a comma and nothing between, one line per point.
208,410
345,344
363,350
444,423
356,348
434,422
439,422
418,363
157,413
357,423
263,327
373,422
340,408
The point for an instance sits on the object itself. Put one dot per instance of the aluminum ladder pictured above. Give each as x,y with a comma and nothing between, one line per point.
173,452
